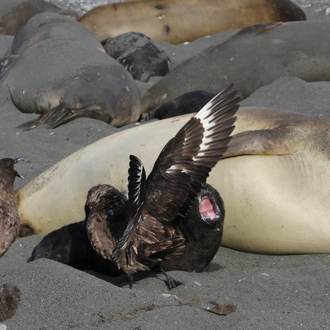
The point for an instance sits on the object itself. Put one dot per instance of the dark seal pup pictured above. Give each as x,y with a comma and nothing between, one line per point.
157,203
186,103
201,228
138,54
70,246
9,218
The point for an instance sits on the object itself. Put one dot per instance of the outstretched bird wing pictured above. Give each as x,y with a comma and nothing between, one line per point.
180,170
136,197
186,160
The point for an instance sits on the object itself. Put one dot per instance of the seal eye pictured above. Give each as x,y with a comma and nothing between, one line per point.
208,209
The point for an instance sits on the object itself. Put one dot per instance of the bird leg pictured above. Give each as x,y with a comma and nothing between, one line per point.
170,281
130,280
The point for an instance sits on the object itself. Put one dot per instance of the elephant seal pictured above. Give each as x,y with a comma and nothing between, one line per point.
51,26
178,21
254,57
275,189
140,55
18,15
88,83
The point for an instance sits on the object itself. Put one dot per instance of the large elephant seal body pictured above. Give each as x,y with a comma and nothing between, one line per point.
254,57
186,20
274,180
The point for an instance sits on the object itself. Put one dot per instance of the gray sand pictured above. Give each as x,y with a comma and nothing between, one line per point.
271,292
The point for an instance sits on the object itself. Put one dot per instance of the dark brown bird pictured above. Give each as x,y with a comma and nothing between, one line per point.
156,205
10,297
9,218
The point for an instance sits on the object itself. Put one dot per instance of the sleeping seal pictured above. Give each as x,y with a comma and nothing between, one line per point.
275,190
178,21
48,72
140,55
13,15
253,57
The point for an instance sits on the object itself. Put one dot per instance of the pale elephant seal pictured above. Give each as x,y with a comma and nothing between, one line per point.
254,57
275,190
50,73
178,21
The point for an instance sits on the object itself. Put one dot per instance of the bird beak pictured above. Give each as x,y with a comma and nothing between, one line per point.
19,159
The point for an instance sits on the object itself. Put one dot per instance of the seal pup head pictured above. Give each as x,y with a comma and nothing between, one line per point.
202,229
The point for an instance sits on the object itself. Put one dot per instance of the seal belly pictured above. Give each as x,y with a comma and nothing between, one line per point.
275,204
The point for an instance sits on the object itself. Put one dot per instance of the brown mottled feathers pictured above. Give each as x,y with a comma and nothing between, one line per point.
10,297
175,180
9,218
106,210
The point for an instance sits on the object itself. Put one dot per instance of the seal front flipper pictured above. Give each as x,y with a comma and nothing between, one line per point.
6,63
62,115
260,142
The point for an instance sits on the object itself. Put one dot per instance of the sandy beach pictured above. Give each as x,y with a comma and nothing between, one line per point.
270,292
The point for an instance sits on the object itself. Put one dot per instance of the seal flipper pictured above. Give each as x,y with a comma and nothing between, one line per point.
52,119
259,142
29,125
6,63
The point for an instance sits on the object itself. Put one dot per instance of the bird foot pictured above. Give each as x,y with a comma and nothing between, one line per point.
170,281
